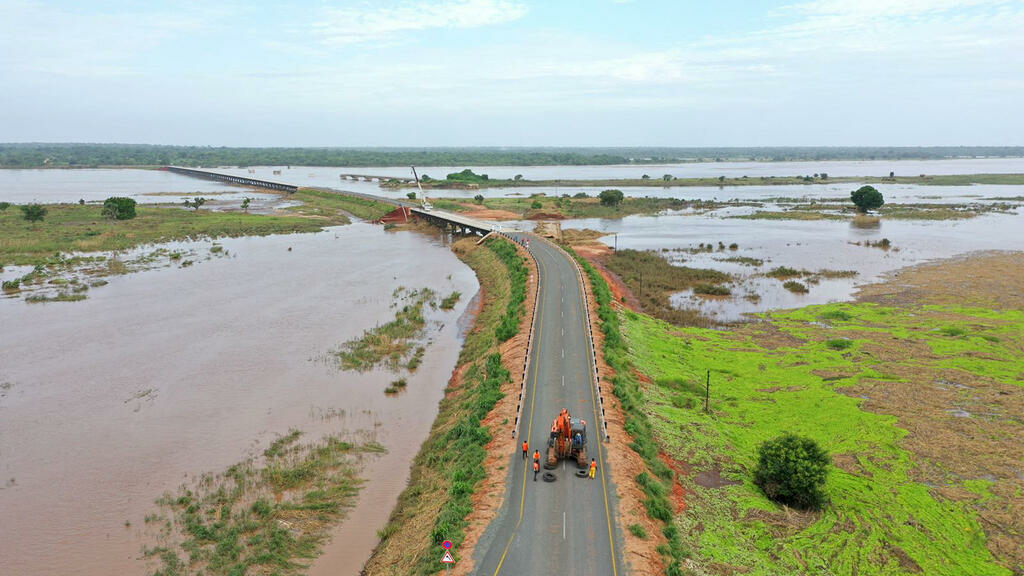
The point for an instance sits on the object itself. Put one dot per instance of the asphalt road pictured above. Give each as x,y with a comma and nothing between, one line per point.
565,527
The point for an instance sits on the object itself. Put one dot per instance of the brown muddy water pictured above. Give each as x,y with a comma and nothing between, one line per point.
801,245
166,374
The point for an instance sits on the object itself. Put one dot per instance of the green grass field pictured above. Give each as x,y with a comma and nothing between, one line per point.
914,482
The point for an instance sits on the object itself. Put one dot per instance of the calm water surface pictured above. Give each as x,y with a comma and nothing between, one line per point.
166,374
803,245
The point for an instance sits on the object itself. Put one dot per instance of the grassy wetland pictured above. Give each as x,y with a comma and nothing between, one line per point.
915,394
266,515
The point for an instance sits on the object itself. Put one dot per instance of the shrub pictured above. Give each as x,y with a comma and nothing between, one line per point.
792,470
33,212
119,208
867,198
4,206
536,205
638,531
837,315
795,287
479,198
195,203
245,203
611,197
580,195
410,195
839,344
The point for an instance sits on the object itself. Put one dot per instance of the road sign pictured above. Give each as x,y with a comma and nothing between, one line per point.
447,544
448,558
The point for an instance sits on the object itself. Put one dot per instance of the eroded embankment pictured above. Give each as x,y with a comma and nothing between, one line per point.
456,483
914,391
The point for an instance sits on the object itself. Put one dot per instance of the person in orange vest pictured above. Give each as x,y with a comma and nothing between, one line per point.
536,468
593,468
524,450
536,457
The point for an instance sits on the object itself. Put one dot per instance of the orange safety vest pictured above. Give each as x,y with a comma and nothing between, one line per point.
593,465
536,466
536,455
524,446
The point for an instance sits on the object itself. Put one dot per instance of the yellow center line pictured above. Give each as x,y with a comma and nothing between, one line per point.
533,398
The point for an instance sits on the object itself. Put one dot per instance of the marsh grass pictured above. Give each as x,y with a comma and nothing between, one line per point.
268,518
652,279
450,300
795,287
390,344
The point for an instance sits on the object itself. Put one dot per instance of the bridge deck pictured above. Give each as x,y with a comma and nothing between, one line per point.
443,217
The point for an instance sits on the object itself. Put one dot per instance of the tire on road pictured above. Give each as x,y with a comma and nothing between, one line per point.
549,477
581,474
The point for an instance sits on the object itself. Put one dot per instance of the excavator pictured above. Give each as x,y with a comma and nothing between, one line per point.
568,440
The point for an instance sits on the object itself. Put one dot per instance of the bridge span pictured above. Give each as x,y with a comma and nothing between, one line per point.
457,223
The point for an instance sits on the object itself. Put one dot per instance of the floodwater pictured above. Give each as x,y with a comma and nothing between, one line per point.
92,185
802,245
907,193
688,170
165,374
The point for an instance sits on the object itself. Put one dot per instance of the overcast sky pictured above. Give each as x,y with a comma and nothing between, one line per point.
514,72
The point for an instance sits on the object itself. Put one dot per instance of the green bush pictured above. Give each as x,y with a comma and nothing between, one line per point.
792,470
638,531
536,205
867,198
795,287
611,197
479,198
33,212
4,206
839,344
119,208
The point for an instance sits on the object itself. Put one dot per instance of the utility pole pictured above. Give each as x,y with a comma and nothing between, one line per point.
707,394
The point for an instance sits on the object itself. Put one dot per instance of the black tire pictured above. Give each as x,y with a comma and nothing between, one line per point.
581,474
550,466
549,477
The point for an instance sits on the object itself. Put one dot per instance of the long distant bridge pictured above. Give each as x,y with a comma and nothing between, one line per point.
457,223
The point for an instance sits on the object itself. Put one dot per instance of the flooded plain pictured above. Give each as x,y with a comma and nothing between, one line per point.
96,185
814,246
170,373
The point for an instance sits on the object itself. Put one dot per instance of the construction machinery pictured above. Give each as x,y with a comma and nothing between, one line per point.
568,440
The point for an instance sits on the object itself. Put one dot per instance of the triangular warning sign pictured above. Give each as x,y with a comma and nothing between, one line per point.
448,558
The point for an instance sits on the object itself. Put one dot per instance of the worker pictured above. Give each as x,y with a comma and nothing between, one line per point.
525,450
593,468
536,457
577,440
536,468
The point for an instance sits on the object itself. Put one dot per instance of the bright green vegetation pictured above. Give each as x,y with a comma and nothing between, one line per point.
84,228
657,481
450,464
509,256
652,280
638,531
449,301
744,260
390,344
854,378
61,155
259,518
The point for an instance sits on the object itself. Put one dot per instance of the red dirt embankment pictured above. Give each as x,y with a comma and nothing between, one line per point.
490,495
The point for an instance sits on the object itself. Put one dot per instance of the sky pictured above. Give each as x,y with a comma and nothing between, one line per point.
514,72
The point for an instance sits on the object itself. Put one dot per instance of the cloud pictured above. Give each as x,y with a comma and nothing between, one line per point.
342,26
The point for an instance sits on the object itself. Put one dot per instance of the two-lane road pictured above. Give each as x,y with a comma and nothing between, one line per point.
564,527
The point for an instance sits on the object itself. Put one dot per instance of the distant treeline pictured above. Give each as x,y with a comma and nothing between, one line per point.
32,155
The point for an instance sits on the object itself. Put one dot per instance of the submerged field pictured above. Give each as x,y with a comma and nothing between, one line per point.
917,399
